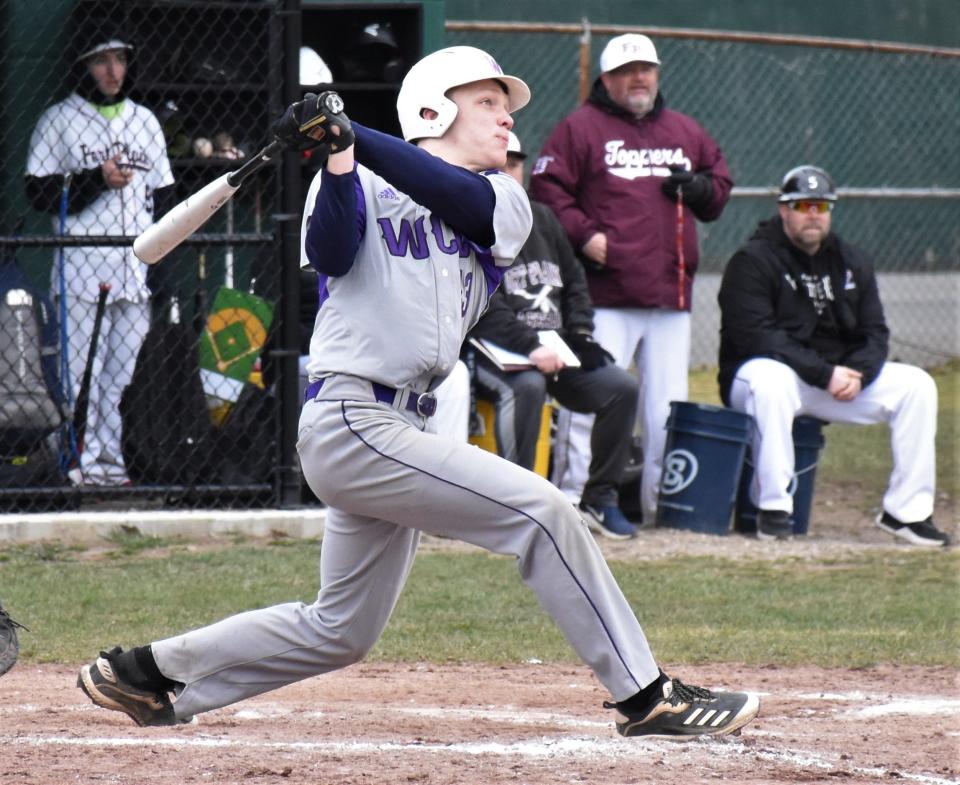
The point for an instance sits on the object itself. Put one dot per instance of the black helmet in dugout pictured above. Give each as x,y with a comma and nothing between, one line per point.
807,182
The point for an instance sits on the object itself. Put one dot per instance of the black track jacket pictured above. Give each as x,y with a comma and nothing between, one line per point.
767,311
544,289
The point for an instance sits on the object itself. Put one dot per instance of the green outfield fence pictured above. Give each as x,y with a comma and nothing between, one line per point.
218,414
880,117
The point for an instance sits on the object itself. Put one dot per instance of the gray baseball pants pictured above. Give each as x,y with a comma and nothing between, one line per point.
385,480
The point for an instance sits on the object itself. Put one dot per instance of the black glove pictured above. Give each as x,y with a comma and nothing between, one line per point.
589,265
308,124
696,187
591,354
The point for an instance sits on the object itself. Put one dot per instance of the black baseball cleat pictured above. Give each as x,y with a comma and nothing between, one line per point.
686,712
919,533
104,687
774,525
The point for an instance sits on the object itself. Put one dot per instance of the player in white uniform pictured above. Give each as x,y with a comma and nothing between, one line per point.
116,154
410,241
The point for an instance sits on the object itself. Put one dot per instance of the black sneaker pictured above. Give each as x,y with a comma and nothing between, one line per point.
103,686
774,525
685,712
919,533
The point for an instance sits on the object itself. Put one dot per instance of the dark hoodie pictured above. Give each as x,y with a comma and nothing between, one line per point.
602,170
768,304
544,289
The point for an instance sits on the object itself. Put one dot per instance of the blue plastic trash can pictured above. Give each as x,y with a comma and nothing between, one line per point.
703,458
807,442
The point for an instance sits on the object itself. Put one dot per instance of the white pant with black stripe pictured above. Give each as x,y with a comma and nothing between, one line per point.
903,396
657,342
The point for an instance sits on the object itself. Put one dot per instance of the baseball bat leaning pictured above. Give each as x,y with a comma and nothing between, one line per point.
83,395
194,211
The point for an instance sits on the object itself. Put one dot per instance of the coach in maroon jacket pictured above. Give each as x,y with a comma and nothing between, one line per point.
628,177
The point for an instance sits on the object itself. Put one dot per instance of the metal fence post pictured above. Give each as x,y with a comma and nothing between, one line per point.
288,476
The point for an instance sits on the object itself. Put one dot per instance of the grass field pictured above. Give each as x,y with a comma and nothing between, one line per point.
878,606
898,606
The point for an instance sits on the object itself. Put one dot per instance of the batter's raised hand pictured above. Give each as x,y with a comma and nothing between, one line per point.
315,121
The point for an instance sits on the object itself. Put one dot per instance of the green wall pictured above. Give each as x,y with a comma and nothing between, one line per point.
870,119
930,22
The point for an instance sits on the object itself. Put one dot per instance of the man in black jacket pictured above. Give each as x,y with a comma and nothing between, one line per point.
545,289
803,332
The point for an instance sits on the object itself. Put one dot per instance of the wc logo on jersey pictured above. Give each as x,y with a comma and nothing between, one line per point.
680,468
412,240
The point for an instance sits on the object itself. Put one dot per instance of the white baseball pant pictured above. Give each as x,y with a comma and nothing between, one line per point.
122,331
903,396
658,343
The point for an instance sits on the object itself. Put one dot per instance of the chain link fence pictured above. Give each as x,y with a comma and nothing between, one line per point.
124,383
881,118
112,112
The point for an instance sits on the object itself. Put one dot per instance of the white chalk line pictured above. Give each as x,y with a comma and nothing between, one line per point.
879,705
542,748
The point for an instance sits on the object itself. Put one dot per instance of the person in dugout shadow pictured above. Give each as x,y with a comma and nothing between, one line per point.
106,157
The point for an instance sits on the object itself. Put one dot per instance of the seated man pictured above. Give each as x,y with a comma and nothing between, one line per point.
803,332
545,289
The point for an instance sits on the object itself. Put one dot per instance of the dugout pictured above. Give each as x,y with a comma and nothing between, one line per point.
212,69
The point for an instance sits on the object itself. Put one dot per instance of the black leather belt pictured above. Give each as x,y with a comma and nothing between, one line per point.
424,404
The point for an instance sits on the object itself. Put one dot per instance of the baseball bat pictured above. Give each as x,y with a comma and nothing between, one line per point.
83,395
194,211
69,455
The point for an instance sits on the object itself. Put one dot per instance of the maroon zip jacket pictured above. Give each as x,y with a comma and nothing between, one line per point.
601,170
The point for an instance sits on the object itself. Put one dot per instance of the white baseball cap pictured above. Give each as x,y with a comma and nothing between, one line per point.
629,48
110,45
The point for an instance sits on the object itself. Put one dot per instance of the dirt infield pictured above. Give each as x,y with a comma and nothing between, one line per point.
525,724
375,724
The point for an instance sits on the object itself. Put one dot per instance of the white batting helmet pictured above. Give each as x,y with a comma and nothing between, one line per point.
426,85
513,146
313,70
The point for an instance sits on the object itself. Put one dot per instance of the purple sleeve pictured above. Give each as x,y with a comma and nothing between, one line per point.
336,225
463,199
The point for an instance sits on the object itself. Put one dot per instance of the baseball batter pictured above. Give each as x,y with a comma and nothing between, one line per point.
116,153
410,240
